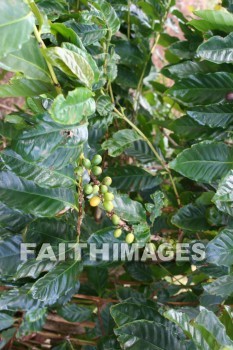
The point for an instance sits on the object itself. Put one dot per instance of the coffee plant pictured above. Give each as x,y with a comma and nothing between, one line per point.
112,151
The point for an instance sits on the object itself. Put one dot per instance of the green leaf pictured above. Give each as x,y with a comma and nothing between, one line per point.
6,321
74,313
33,268
33,321
104,105
155,208
51,231
148,335
107,14
89,33
222,286
141,151
12,220
6,336
42,176
213,20
217,49
214,116
28,61
183,321
223,198
130,311
201,89
127,209
227,320
98,278
211,323
51,144
142,233
191,217
71,63
219,251
57,282
17,299
205,162
16,25
131,178
73,109
120,141
25,195
10,255
25,88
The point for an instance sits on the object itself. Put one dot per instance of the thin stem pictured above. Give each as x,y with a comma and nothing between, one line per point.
128,24
50,68
160,159
140,83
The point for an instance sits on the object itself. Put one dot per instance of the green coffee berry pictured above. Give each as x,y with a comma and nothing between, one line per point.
103,188
95,189
107,181
115,219
129,238
96,160
108,206
79,171
108,196
96,170
87,163
88,189
117,233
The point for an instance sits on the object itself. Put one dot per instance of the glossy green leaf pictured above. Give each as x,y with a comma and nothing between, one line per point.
201,89
33,268
71,63
214,116
5,321
23,87
89,33
25,195
52,231
57,282
213,20
224,195
73,109
211,323
104,105
13,220
192,218
222,286
128,209
205,162
33,321
16,23
132,178
155,209
149,335
51,144
9,255
217,49
107,14
219,250
183,321
28,61
42,176
74,313
120,141
6,336
127,312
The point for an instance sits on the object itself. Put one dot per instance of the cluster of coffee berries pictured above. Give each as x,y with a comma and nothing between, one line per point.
118,232
99,193
90,166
